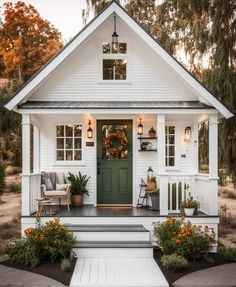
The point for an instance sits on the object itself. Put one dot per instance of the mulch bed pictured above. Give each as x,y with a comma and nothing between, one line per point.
172,276
46,268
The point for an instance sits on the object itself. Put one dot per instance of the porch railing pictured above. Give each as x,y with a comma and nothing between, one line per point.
203,193
178,190
34,190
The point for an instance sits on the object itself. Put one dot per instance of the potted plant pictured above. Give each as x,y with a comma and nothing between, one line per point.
152,183
189,205
78,188
144,145
152,132
155,199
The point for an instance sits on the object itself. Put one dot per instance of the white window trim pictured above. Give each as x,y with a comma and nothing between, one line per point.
111,56
176,167
67,162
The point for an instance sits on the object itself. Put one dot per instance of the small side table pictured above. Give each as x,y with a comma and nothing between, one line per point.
43,205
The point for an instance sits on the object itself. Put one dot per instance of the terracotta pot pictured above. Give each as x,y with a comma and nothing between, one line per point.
152,134
151,185
77,200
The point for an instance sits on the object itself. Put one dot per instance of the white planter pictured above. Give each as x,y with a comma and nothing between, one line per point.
189,211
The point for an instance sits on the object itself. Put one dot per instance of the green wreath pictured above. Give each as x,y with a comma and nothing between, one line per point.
109,146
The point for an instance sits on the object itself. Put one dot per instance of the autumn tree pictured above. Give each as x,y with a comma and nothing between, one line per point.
27,41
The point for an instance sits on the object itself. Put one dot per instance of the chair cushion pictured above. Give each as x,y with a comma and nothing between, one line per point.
48,183
61,186
60,178
55,192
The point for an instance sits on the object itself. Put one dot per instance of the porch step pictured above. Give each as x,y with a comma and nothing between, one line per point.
113,244
113,233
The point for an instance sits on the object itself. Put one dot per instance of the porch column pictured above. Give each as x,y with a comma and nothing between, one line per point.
161,166
213,163
25,182
36,160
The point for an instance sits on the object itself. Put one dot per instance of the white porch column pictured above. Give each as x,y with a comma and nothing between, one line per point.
25,183
213,163
161,166
36,158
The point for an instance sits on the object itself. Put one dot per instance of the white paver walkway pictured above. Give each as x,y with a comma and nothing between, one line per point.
119,272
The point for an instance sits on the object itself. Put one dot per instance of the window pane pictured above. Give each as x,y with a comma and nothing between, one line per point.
60,143
78,131
122,48
172,139
78,155
114,48
78,143
69,131
69,143
171,151
106,48
69,155
171,161
120,69
108,69
60,155
60,131
171,130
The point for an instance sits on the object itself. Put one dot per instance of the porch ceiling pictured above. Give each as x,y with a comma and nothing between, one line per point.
113,105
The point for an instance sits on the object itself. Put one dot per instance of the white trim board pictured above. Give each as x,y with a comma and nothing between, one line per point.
141,33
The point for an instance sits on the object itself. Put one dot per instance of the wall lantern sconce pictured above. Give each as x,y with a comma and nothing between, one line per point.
187,134
89,131
140,127
114,42
149,173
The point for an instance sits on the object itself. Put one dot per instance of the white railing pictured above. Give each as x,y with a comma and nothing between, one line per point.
34,191
179,187
203,193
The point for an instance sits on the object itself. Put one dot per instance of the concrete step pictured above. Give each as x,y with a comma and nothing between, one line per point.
110,232
109,249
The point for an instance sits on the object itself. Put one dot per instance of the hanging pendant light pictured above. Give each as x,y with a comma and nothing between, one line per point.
114,43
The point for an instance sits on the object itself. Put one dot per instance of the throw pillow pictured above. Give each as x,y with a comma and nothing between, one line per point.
61,187
48,184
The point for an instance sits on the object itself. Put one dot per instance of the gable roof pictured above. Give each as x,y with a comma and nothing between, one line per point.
52,64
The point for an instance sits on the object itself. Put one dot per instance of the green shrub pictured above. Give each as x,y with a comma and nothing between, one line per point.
51,241
65,265
174,262
175,235
229,253
2,179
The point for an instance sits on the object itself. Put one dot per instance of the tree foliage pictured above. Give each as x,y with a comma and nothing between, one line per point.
27,41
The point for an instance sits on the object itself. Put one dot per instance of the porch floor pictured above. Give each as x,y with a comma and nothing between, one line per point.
92,211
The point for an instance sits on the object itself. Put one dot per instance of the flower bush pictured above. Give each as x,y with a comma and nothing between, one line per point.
51,241
175,235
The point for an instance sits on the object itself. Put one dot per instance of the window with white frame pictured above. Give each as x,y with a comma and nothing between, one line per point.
170,146
69,142
114,63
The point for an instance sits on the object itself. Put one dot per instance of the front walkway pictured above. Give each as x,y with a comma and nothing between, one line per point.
15,277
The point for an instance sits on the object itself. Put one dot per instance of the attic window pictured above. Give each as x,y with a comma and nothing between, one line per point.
114,69
108,48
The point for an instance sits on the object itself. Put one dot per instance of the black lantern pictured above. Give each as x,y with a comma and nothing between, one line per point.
89,131
140,127
187,134
149,173
115,43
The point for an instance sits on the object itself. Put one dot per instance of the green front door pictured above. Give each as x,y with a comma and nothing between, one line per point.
114,162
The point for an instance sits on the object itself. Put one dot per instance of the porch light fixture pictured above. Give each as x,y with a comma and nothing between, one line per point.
140,127
115,42
149,173
89,131
187,134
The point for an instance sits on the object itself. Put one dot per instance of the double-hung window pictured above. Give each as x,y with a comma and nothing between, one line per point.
69,142
170,146
114,62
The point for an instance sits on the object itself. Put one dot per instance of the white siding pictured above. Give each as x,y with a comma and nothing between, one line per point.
79,77
142,160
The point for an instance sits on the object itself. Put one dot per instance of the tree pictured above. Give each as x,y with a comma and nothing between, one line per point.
26,41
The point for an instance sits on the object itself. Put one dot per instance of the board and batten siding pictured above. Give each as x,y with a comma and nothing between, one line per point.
141,162
79,77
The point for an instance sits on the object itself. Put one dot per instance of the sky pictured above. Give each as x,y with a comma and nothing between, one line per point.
65,15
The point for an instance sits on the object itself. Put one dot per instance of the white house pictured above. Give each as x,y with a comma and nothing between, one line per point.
113,86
